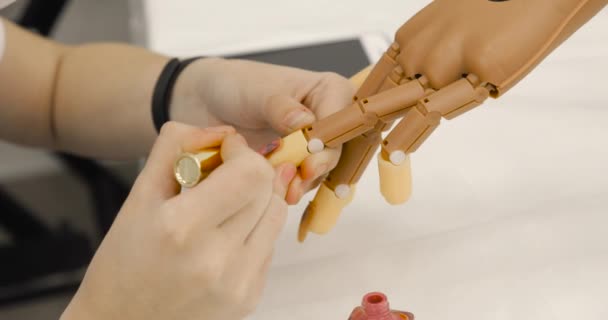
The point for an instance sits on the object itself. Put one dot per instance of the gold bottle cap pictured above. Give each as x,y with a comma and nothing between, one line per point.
191,168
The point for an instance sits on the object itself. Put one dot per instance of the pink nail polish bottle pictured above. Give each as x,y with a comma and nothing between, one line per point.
375,307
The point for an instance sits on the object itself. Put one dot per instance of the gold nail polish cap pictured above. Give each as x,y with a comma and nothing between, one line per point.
191,168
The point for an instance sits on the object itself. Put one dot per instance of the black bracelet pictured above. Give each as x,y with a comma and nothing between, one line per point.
161,98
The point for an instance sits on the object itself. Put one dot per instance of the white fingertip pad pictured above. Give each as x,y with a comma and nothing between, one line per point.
315,146
342,191
397,157
2,39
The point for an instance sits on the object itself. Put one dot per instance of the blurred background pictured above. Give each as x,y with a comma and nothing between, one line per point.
54,208
516,230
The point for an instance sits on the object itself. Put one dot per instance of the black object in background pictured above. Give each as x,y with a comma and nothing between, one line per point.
41,15
344,57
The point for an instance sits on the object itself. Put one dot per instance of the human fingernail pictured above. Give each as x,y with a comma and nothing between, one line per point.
297,119
269,148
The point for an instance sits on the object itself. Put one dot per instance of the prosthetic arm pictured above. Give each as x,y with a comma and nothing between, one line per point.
446,60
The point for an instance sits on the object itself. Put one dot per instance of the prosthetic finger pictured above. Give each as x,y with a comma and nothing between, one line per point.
359,78
417,125
376,77
366,113
338,189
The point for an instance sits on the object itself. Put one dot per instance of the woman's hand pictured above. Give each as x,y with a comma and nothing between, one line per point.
203,253
263,102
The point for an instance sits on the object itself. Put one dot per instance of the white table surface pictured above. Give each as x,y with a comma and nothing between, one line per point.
510,207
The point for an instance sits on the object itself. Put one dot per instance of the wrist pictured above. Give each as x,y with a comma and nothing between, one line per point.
188,103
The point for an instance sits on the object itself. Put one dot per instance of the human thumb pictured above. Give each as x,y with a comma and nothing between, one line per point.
286,115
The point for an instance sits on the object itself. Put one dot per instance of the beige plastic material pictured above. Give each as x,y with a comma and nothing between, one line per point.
325,209
367,113
355,156
411,131
395,180
392,104
293,148
457,98
376,75
191,168
499,41
359,78
494,50
342,126
441,75
421,121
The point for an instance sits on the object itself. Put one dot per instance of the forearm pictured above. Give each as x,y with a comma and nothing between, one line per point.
92,100
27,76
103,98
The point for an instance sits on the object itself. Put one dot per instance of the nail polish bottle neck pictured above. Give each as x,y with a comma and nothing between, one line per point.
376,306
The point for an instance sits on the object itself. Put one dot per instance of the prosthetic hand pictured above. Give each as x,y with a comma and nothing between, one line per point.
445,61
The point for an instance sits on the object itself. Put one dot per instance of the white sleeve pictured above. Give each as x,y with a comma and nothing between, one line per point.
2,39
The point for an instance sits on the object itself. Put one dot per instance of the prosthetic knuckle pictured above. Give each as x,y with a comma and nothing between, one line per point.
437,79
483,61
487,63
440,74
394,79
456,98
407,33
369,118
392,52
421,46
407,62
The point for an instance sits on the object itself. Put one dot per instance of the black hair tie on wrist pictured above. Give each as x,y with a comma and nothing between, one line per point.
161,98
